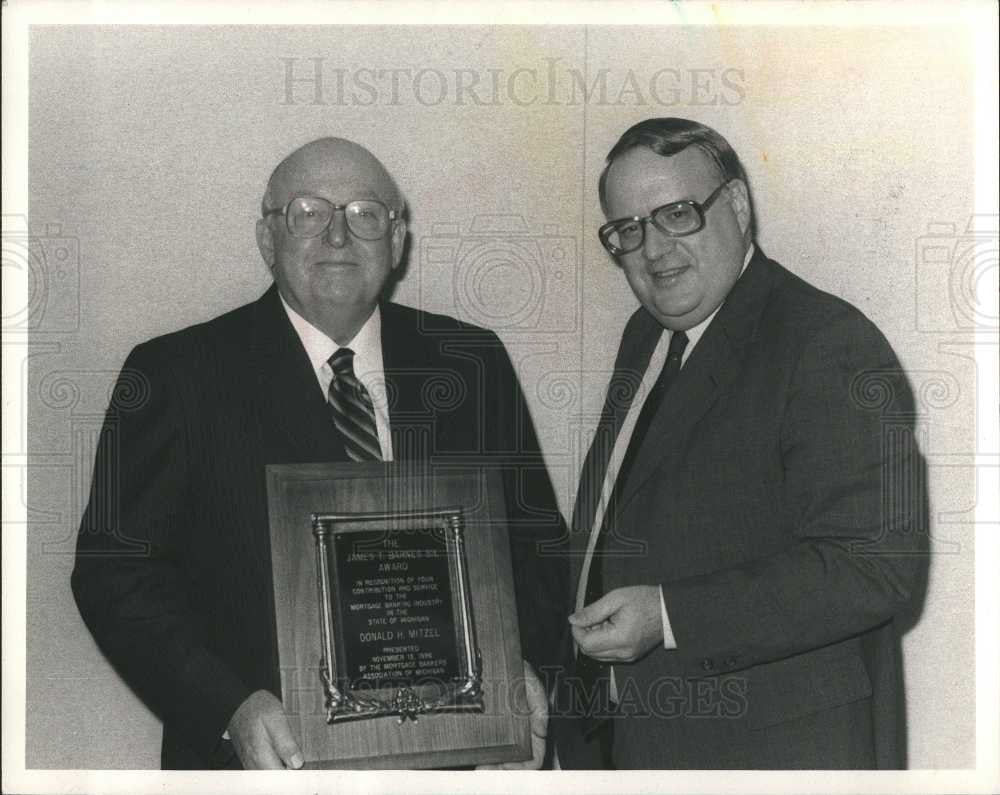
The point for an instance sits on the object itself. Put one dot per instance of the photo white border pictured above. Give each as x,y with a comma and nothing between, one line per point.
981,21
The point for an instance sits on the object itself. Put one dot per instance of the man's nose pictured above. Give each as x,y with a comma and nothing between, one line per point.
655,243
336,231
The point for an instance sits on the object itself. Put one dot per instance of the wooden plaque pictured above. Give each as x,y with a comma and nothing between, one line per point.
395,615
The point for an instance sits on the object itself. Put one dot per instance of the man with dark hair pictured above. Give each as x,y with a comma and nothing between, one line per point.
749,521
173,569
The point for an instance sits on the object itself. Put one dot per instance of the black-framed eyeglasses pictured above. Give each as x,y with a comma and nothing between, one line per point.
310,216
676,219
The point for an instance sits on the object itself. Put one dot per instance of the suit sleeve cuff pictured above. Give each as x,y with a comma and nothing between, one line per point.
669,641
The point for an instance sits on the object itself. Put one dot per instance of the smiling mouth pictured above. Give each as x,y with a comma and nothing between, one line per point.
669,274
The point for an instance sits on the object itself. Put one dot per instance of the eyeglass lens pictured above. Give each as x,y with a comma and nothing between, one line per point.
674,219
309,217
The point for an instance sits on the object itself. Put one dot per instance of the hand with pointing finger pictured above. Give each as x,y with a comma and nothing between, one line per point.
621,626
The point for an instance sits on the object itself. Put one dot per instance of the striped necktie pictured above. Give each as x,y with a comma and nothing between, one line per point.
352,410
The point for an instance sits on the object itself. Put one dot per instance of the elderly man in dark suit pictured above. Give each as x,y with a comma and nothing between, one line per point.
173,571
750,516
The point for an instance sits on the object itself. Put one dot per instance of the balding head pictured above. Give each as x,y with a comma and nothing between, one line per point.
333,276
327,162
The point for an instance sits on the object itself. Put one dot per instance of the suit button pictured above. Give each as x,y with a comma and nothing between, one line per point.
730,662
707,665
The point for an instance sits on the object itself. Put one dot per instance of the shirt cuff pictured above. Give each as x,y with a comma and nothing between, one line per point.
669,642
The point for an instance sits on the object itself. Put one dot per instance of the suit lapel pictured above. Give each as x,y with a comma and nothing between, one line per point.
714,363
406,364
638,342
294,415
630,365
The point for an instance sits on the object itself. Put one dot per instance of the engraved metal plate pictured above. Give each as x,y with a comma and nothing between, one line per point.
395,615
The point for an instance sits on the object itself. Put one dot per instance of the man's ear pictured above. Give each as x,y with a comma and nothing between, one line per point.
739,197
265,241
398,241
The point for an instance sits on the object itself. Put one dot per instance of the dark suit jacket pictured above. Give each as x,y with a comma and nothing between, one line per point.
779,500
173,572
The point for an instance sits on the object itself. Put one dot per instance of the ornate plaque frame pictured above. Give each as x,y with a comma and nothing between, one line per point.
465,693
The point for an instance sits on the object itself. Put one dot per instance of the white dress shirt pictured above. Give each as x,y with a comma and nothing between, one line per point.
653,369
367,347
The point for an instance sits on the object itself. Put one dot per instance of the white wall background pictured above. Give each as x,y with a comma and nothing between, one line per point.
149,148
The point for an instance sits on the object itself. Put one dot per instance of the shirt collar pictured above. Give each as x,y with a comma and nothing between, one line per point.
367,343
747,258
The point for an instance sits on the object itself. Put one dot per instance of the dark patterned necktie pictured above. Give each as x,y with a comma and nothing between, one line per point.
352,410
594,675
671,367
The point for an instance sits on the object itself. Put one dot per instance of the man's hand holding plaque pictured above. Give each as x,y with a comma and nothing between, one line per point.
539,707
261,735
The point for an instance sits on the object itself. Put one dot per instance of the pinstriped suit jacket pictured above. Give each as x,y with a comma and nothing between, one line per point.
173,572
